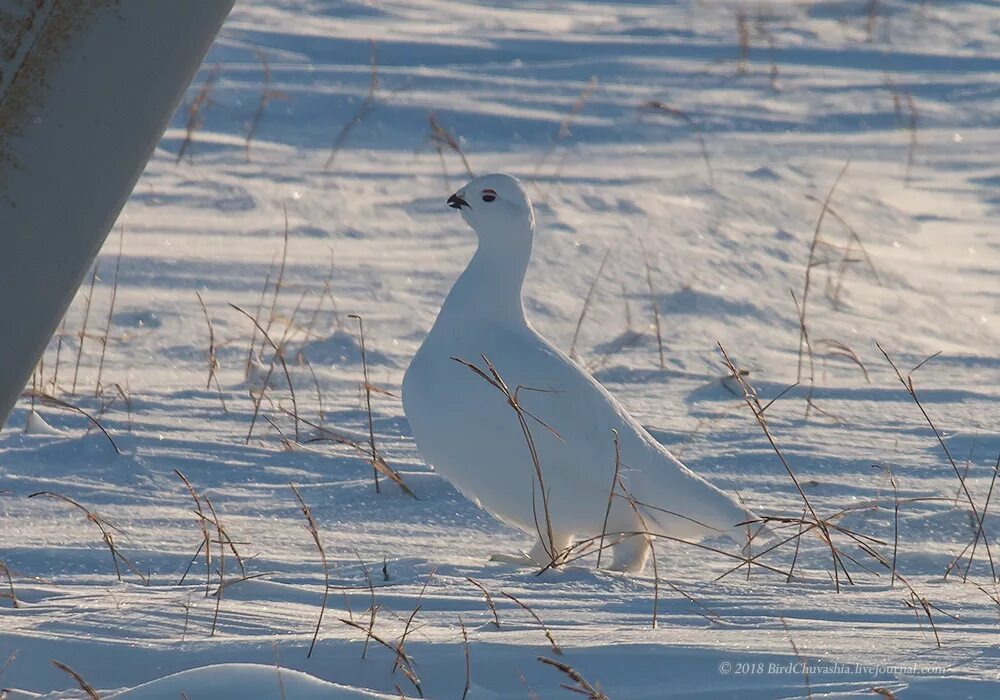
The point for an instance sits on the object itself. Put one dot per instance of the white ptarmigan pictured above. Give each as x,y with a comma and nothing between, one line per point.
467,431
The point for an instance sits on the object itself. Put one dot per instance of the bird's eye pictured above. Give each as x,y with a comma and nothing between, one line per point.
489,195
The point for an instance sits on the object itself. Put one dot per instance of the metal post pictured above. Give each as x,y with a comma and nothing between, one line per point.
86,89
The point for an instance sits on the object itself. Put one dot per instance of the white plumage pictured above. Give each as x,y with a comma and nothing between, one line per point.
466,430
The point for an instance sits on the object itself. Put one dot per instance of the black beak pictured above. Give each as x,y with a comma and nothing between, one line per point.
456,202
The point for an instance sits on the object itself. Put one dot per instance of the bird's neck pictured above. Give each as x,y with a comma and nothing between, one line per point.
490,287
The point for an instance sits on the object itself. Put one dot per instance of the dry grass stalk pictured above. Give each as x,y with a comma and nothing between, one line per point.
213,360
872,19
280,355
582,686
493,378
84,685
10,585
805,346
563,130
489,600
126,394
106,529
586,304
314,531
83,329
368,398
442,139
401,644
895,519
406,662
662,108
853,239
986,507
224,541
654,304
6,664
912,128
59,344
195,118
380,464
49,400
327,292
319,392
611,495
266,95
548,632
372,607
839,349
802,659
206,539
750,397
257,312
908,385
366,106
272,314
743,33
98,389
468,661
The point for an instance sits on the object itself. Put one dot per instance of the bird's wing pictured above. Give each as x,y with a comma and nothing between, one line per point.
577,442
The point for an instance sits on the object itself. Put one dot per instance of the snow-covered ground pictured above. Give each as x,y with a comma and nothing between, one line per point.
723,194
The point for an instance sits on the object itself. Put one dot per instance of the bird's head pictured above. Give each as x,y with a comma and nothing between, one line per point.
495,206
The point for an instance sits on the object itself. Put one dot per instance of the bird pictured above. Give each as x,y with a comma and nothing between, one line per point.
498,410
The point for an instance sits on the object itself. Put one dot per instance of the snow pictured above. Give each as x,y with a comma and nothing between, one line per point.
722,260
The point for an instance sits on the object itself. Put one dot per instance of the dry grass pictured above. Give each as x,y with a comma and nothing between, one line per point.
98,387
314,532
266,95
489,600
978,515
493,378
368,400
654,304
442,140
669,111
586,304
196,112
366,106
581,686
82,335
548,633
563,131
107,530
86,687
